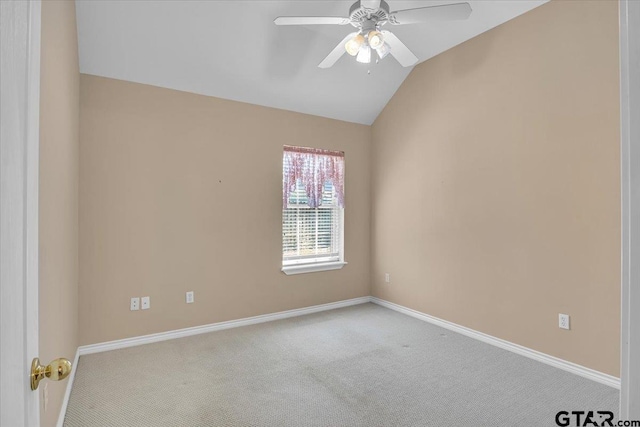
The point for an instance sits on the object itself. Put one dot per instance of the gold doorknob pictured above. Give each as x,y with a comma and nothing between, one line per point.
57,370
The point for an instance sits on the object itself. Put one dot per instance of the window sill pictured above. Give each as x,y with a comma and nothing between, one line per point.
312,268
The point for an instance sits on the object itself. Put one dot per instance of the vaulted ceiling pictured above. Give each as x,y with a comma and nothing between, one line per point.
233,50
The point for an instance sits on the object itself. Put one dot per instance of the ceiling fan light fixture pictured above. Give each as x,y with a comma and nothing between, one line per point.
353,45
368,17
364,56
376,39
383,50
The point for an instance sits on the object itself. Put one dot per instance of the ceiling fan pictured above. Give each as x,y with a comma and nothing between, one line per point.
369,16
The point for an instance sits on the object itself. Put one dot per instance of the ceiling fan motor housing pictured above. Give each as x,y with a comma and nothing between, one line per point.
362,17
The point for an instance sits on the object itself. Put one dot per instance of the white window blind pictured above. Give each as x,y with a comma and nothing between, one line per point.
311,235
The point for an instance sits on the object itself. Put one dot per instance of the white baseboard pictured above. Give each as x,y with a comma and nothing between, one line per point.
506,345
574,368
582,371
67,392
180,333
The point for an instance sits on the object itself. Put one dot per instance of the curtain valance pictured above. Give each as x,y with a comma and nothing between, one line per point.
313,168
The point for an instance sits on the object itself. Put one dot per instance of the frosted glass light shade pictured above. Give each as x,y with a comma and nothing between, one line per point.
353,45
383,50
364,56
376,39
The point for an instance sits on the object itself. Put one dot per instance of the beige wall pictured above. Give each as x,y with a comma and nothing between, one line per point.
182,192
496,195
59,156
495,202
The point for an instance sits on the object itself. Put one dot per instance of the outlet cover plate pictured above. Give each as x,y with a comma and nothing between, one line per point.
146,303
563,321
190,298
135,304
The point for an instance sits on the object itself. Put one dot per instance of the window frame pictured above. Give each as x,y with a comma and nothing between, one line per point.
310,264
320,265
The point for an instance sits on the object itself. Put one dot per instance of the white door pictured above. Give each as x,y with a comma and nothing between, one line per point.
19,136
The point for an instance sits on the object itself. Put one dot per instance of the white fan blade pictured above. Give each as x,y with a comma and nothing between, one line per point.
311,20
405,57
447,12
370,4
336,53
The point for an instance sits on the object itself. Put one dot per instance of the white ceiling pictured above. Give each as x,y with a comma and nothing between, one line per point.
232,50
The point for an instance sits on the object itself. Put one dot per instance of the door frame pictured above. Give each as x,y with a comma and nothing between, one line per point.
19,163
630,194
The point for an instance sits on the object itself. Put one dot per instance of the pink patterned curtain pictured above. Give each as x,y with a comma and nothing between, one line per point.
313,167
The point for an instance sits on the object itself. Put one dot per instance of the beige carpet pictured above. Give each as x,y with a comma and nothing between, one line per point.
359,366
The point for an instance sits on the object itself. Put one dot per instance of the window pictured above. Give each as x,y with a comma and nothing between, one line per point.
313,207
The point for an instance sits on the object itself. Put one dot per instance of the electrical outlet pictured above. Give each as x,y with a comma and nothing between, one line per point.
190,298
135,304
563,321
387,277
146,303
45,396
